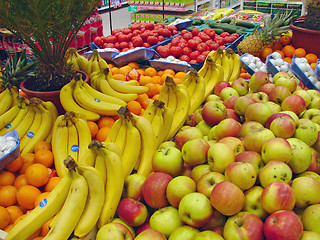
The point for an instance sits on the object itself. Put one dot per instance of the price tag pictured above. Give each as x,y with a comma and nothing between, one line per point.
133,9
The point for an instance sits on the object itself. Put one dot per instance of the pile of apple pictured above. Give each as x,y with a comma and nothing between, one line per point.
244,166
136,35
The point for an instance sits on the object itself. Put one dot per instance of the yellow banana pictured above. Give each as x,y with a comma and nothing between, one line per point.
3,93
172,100
16,121
69,104
114,186
111,146
72,209
218,56
25,124
14,93
6,101
88,158
53,109
226,63
113,133
189,80
148,144
95,200
100,163
150,111
8,116
73,140
95,63
214,76
120,140
82,62
102,63
60,145
236,67
47,208
157,123
164,94
167,115
203,71
198,94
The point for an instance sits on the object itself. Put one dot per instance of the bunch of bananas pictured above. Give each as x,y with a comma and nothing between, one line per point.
229,61
77,61
196,86
79,96
8,98
81,201
135,137
95,64
177,98
32,119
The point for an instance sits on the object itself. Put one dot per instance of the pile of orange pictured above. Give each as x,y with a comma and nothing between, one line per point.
24,183
148,77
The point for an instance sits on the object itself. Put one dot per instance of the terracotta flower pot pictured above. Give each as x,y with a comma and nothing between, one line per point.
305,38
53,96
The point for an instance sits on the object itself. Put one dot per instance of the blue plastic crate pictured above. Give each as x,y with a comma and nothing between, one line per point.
162,65
106,54
235,43
137,55
11,156
271,67
317,70
183,25
246,66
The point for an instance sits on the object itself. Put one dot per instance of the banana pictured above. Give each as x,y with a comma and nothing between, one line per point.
131,151
42,132
82,62
102,63
43,212
114,131
95,200
95,81
203,71
164,94
95,63
150,111
182,110
100,165
6,101
157,123
111,146
71,59
218,56
69,104
71,210
73,139
215,77
8,116
105,87
198,94
88,158
148,144
167,115
172,99
227,66
3,93
120,140
14,93
92,234
85,100
189,80
25,124
60,145
236,67
114,186
53,109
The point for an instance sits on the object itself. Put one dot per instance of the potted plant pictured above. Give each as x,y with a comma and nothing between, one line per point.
48,28
306,31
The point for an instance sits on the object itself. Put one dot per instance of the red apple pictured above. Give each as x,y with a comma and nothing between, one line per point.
257,80
213,112
185,134
114,230
133,186
132,212
227,128
219,86
207,182
279,93
229,102
150,234
294,103
251,157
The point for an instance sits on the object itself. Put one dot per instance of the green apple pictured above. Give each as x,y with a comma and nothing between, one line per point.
279,75
257,80
241,104
255,140
133,186
301,155
149,234
315,102
292,114
167,144
275,171
288,82
253,202
228,127
305,95
204,127
195,151
312,114
183,233
212,97
275,108
251,157
207,235
260,97
217,161
207,182
114,230
259,112
310,174
307,191
234,143
306,131
241,85
248,127
199,170
276,149
311,218
118,220
241,174
228,92
212,133
309,235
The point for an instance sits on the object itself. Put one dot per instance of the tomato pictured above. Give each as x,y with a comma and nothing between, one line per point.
123,45
201,58
108,45
184,31
111,39
145,35
210,32
98,41
175,41
187,36
176,51
204,37
136,32
146,45
149,26
135,26
164,32
125,49
104,39
117,30
228,39
224,34
126,30
198,39
194,55
182,44
130,45
186,51
219,40
193,61
205,53
160,38
195,31
117,45
152,40
123,38
163,51
185,58
235,34
192,44
214,46
172,29
202,47
155,33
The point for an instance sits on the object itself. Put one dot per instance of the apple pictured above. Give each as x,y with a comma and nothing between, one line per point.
266,88
277,115
114,230
255,140
248,127
307,190
195,209
131,229
232,114
133,186
207,182
191,120
228,92
178,187
294,103
243,225
259,112
143,227
283,224
275,108
204,127
167,144
227,128
315,102
150,234
315,161
279,75
309,174
198,113
311,218
275,171
212,133
288,82
283,126
241,86
257,80
218,161
253,202
276,149
186,170
309,235
279,93
183,233
241,104
185,134
306,131
312,114
207,235
212,97
229,102
251,157
241,174
227,198
213,112
305,95
217,220
195,151
301,155
278,196
154,189
292,114
165,220
260,97
132,212
234,143
219,86
199,170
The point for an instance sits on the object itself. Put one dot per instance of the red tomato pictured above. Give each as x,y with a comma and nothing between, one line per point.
185,58
186,51
187,36
176,51
192,44
194,55
117,30
123,45
108,45
111,39
137,41
201,58
195,31
126,30
204,37
152,40
202,47
210,32
163,51
136,32
146,45
224,34
98,41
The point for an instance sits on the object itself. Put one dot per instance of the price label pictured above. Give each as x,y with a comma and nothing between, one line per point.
133,9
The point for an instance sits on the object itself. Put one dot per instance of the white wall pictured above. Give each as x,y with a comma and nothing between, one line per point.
120,19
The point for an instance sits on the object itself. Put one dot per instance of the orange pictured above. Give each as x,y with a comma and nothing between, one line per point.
45,228
93,128
133,65
26,196
14,212
180,75
288,51
146,102
8,196
145,79
285,39
119,77
6,178
133,75
102,134
110,65
28,159
177,80
42,145
313,65
169,71
105,121
134,107
265,52
40,198
141,97
8,228
153,89
156,79
141,71
114,70
281,53
245,75
37,175
124,70
276,45
300,52
20,181
155,97
164,76
4,217
288,59
312,58
160,73
51,184
45,157
15,165
150,71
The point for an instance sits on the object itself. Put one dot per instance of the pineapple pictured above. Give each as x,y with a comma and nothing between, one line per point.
272,29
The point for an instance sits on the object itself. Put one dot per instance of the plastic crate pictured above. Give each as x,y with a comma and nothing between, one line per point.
11,156
136,55
183,25
106,54
271,67
246,66
317,70
162,65
235,43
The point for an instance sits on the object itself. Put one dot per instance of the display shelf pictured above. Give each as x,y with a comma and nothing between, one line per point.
267,6
105,6
165,8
